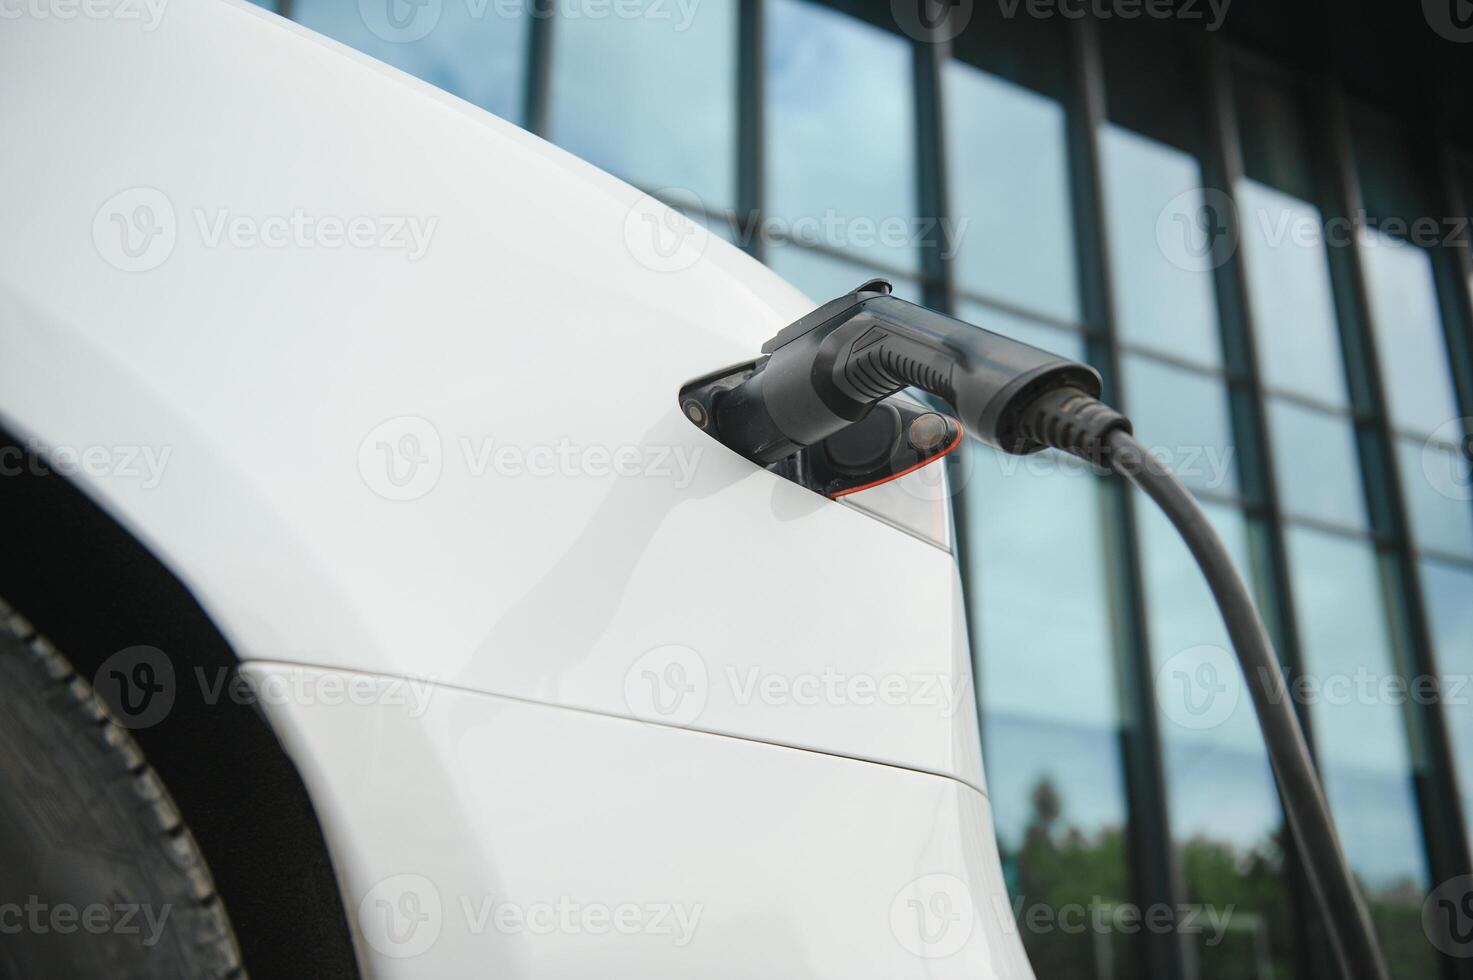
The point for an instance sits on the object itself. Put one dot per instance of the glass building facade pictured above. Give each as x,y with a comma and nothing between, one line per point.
1272,273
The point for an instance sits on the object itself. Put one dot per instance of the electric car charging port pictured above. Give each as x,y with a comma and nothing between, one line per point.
898,436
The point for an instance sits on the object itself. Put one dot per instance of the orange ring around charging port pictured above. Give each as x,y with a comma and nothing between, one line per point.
961,433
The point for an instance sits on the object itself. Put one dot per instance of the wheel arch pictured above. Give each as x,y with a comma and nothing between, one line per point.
93,588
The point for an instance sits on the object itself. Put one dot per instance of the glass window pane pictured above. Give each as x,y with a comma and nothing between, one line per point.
1316,463
1409,338
1438,485
619,82
477,52
1159,224
1046,683
1281,216
1180,610
1057,791
824,277
1360,733
1036,660
840,133
1343,619
1288,271
1182,620
1228,830
1225,817
1009,172
1449,592
1183,417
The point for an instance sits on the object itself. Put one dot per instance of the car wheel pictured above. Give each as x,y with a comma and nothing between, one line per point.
99,876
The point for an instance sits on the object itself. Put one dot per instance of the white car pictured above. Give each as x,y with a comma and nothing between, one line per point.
411,568
311,369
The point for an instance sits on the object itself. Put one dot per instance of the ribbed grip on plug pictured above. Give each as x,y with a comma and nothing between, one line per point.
1075,422
882,364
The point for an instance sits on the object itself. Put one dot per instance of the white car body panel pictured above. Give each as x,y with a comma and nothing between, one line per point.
270,379
726,858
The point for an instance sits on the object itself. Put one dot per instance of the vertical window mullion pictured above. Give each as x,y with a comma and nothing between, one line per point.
751,143
539,67
1225,170
1446,845
931,196
1156,874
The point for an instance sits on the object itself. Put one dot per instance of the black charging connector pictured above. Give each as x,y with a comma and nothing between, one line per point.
828,370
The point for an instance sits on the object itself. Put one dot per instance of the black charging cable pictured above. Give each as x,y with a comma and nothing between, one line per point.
828,370
1305,806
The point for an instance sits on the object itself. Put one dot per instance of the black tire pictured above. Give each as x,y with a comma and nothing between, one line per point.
87,826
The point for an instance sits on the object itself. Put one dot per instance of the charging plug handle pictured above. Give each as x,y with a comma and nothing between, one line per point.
828,370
